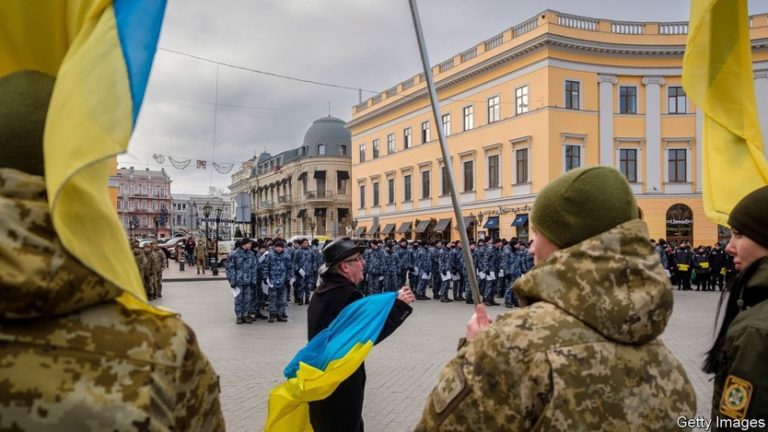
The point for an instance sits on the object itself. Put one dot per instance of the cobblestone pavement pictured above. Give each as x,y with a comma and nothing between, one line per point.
401,370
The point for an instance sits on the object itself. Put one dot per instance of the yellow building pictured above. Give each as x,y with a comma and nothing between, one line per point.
555,92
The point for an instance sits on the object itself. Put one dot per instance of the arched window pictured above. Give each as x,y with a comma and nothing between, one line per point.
679,224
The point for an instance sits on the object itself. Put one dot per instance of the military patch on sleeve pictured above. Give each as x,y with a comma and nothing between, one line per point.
451,388
735,399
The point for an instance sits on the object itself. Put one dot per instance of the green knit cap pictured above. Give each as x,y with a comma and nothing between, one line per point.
583,203
750,216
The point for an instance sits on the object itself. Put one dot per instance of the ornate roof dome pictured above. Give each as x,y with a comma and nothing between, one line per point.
329,131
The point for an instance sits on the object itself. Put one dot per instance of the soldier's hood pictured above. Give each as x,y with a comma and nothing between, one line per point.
613,282
38,277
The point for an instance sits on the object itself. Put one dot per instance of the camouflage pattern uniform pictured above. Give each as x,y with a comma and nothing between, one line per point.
583,353
304,259
74,359
242,272
277,270
444,267
374,265
391,270
423,269
159,258
403,262
200,253
148,272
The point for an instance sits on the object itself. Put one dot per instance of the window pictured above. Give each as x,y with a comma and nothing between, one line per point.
627,100
119,205
407,138
341,186
521,165
407,187
390,143
375,145
494,111
362,196
321,149
376,194
572,94
391,191
446,124
572,157
469,176
362,152
628,164
677,166
303,153
425,184
343,149
469,117
493,171
425,132
445,188
521,100
676,103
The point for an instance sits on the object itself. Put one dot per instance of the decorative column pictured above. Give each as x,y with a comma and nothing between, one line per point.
761,92
606,83
653,162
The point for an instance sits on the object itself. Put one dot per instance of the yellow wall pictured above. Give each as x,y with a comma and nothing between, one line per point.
544,129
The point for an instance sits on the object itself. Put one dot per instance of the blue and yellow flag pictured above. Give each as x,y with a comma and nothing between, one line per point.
97,54
718,76
327,360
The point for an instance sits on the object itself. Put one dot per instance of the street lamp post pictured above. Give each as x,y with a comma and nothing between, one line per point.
156,220
312,225
206,213
215,269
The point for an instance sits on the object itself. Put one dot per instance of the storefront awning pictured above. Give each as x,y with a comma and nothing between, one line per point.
422,226
388,229
520,220
469,221
442,225
320,175
360,231
302,176
492,223
342,175
301,213
404,227
374,229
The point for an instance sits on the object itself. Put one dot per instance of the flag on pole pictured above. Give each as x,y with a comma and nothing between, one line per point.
718,77
327,360
96,55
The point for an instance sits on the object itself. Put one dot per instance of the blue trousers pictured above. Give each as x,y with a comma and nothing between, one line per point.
244,301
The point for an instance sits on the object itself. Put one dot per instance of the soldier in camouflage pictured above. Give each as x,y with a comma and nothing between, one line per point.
160,261
391,268
422,269
278,268
200,253
242,273
305,261
148,272
583,352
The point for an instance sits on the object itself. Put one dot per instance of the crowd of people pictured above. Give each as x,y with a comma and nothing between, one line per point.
705,267
151,262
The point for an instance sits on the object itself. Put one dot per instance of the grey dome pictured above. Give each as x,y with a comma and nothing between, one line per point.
329,131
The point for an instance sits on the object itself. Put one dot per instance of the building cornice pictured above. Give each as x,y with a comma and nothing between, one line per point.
535,44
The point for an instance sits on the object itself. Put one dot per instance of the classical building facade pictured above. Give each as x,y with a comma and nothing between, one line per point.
143,202
302,191
188,215
548,95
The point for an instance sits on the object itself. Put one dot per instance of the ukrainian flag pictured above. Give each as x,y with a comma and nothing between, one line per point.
327,360
718,76
93,58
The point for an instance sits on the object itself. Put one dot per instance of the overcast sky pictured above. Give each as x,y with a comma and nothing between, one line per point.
368,44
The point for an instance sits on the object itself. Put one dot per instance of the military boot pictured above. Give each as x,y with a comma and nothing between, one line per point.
272,318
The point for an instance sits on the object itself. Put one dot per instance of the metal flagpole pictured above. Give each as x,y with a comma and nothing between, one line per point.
446,156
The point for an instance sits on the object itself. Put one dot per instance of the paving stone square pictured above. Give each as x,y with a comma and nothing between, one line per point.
401,370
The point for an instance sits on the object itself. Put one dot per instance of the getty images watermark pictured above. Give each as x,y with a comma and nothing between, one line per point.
720,423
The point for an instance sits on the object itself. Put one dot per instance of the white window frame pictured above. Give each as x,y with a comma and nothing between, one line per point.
425,132
407,138
446,124
494,109
468,117
391,144
522,108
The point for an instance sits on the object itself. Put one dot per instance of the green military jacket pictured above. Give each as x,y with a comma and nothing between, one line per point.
74,359
740,397
581,355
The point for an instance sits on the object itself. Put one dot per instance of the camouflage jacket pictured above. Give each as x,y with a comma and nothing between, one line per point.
583,353
278,268
242,268
74,359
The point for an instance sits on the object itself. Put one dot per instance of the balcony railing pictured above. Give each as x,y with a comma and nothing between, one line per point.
267,205
322,195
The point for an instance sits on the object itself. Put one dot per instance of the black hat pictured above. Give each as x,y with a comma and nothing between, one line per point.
339,250
749,216
279,243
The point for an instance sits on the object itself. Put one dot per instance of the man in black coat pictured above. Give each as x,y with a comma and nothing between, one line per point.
342,270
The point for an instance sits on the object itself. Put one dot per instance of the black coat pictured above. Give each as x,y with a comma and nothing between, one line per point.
342,411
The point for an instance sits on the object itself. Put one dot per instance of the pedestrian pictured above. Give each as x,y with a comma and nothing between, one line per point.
189,246
278,269
342,270
200,253
242,274
582,352
738,356
717,260
160,264
81,348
